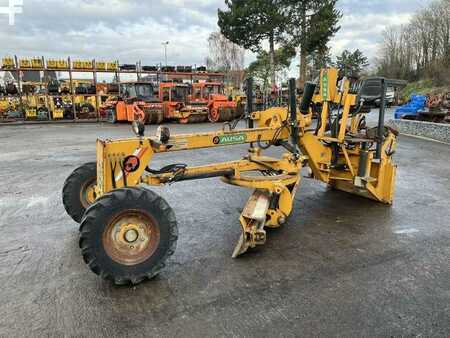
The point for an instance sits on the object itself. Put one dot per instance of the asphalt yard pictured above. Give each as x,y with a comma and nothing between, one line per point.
341,265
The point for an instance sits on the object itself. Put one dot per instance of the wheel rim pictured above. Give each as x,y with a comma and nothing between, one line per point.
214,115
87,193
131,237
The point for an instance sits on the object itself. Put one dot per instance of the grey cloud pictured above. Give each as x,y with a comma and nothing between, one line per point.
364,22
129,30
134,29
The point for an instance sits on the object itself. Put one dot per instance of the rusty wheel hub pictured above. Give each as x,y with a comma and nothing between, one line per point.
87,193
131,237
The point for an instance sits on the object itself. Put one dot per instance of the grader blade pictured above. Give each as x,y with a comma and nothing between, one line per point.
241,246
253,219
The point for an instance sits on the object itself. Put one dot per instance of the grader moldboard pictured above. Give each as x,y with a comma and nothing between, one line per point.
127,232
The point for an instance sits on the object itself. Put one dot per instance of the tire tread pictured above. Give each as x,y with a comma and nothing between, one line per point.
120,194
70,186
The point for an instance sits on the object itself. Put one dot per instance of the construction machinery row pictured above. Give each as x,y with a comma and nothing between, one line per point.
47,96
48,101
172,101
40,63
134,100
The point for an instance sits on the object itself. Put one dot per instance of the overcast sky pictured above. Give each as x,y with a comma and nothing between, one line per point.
130,30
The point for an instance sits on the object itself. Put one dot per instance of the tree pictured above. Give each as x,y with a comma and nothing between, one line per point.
419,49
224,55
262,70
248,23
308,24
311,24
352,64
318,60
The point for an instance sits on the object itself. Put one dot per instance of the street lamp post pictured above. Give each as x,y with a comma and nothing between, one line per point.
165,50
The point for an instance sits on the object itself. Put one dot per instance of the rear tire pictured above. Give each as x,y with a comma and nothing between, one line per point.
76,190
127,235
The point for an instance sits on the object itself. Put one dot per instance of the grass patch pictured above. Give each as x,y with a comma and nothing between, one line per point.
421,87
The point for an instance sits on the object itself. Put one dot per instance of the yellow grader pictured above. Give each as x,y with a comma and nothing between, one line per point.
127,231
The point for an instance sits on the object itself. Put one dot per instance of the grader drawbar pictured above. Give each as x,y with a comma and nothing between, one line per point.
127,231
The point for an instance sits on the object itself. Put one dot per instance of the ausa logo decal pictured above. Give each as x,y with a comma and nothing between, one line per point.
325,87
230,139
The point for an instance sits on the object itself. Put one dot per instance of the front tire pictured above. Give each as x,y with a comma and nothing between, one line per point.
127,235
78,191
